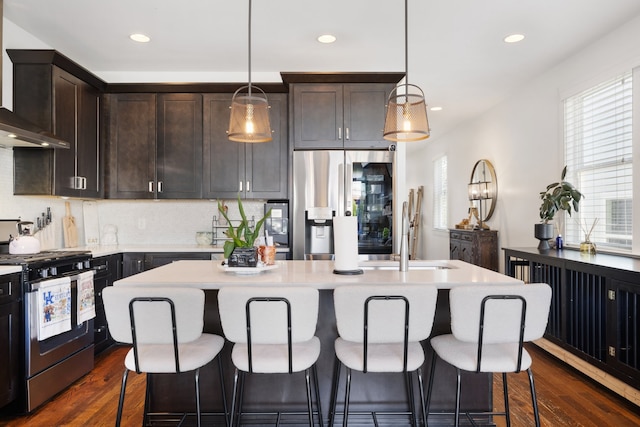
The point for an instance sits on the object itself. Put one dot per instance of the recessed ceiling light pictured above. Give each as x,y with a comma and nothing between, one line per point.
140,38
327,38
514,38
435,108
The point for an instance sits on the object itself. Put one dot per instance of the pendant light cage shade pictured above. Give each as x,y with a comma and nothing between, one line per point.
406,119
249,121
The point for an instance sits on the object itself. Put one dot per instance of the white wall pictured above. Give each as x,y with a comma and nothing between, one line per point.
522,138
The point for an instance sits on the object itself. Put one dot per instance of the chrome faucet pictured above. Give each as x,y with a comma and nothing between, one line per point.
404,242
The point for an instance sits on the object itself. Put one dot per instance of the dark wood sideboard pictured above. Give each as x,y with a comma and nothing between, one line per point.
479,247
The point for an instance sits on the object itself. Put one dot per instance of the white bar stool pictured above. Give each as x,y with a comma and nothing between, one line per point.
272,329
489,325
380,329
165,327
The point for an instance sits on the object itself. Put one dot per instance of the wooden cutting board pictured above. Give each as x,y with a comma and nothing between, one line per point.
69,228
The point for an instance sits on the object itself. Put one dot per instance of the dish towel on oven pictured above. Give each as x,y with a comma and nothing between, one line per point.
54,307
86,297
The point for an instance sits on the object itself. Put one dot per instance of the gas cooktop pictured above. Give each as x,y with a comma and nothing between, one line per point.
19,259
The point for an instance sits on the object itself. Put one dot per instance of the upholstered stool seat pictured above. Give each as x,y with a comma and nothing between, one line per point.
159,358
274,359
380,357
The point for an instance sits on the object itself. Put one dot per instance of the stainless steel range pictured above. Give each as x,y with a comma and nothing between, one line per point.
50,363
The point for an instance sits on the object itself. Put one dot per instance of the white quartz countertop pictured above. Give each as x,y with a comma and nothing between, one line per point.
8,269
212,275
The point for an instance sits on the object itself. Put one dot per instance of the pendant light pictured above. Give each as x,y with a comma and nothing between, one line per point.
406,118
249,121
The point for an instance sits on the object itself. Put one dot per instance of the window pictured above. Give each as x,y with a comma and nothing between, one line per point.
598,152
440,208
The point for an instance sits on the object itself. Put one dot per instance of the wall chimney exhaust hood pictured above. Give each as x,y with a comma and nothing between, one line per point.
16,131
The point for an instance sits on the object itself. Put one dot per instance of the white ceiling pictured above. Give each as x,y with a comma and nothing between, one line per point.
456,52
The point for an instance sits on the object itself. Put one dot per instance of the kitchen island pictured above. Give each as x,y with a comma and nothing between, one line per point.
175,393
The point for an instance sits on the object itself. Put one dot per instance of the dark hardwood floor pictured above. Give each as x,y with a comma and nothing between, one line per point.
565,398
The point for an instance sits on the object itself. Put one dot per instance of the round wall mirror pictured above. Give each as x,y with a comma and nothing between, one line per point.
483,190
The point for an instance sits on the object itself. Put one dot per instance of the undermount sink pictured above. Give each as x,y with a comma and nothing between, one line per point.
413,265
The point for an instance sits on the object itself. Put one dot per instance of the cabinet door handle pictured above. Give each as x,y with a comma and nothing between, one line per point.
240,189
159,186
150,186
346,133
84,183
339,133
248,186
76,182
139,265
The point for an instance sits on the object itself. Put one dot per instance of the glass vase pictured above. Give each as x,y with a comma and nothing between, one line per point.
587,246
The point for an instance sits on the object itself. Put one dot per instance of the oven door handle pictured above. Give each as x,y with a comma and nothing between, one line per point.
74,276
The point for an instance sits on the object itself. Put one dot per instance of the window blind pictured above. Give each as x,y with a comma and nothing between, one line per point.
598,146
440,205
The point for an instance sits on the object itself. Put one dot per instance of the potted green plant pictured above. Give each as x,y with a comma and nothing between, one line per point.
558,196
242,238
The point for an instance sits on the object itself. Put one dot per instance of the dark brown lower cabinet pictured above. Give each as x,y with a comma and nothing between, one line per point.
137,262
108,269
9,337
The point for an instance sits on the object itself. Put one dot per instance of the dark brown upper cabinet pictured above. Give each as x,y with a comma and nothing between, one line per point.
59,96
257,171
337,116
155,146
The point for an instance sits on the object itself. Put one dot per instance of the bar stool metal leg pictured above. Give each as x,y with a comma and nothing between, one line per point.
334,393
458,381
147,399
347,394
421,385
307,378
197,381
314,371
412,403
234,395
505,390
223,394
431,378
121,400
534,400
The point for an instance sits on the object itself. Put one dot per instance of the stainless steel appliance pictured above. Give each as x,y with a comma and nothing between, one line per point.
331,182
54,363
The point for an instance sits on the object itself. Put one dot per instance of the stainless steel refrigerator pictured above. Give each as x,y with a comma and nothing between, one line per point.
331,183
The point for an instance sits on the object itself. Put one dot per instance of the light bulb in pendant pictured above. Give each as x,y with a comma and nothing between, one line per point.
406,117
249,127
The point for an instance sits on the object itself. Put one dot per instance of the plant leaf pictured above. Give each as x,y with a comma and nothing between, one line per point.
229,246
241,209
